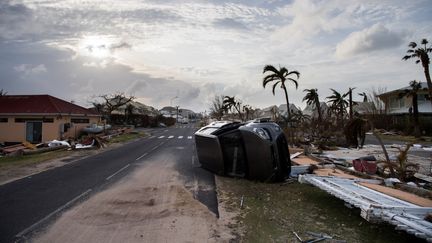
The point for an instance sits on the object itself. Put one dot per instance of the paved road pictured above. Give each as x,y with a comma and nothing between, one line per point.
370,139
29,203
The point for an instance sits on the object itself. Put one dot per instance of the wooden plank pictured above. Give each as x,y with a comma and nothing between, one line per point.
405,196
304,160
334,172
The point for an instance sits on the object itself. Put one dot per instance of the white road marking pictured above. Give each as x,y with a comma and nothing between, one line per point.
111,176
171,136
189,137
180,137
152,137
193,160
161,137
166,130
35,225
141,156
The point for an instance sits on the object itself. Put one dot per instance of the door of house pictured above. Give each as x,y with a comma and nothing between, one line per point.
34,132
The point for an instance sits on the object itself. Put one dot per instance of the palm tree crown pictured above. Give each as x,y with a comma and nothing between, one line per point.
338,102
279,77
311,97
421,53
364,95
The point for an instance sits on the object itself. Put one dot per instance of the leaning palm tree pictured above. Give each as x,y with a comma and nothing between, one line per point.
312,98
279,77
421,53
338,103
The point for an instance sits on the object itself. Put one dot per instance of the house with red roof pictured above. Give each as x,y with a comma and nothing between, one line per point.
41,118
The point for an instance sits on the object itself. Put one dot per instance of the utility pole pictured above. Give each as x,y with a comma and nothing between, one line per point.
177,113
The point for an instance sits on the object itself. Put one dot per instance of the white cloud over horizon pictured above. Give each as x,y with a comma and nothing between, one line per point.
197,49
377,37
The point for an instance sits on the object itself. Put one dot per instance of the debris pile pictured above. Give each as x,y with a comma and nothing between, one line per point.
358,178
91,141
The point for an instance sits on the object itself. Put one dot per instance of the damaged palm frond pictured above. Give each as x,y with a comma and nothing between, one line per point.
400,168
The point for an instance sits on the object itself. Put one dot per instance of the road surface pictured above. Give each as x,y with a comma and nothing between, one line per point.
33,202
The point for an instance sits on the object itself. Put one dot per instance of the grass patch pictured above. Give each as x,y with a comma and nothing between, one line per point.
23,160
272,212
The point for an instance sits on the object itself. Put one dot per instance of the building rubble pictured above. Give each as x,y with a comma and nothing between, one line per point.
333,173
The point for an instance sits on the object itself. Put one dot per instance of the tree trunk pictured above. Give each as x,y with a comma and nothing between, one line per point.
350,105
416,116
286,97
428,79
318,106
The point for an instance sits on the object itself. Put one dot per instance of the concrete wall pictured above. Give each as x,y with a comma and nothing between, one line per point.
12,131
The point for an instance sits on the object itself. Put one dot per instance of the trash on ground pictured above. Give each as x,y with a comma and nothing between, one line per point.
378,203
55,143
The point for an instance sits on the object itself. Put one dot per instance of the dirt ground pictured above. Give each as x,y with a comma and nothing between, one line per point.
149,205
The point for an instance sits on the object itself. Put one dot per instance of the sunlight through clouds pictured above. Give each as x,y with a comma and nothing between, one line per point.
200,44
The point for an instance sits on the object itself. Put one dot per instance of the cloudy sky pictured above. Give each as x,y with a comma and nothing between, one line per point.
194,50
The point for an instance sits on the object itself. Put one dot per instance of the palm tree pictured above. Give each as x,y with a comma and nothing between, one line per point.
338,103
350,102
364,95
247,110
311,97
279,77
415,87
421,53
230,102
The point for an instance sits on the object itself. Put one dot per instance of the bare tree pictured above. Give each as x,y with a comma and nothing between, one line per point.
113,102
2,92
379,106
217,108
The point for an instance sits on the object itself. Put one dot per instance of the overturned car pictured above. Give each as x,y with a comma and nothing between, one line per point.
256,150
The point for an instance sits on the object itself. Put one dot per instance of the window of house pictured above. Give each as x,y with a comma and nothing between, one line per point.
394,103
3,119
80,120
401,102
422,98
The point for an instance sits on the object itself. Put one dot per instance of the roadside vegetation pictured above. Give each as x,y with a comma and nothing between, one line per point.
7,162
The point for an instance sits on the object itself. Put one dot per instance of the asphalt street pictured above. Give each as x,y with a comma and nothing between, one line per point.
370,139
31,203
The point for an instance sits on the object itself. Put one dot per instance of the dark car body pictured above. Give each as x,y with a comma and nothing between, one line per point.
256,150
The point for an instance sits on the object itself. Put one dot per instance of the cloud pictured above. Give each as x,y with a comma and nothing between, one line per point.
120,45
15,20
375,38
28,69
230,23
